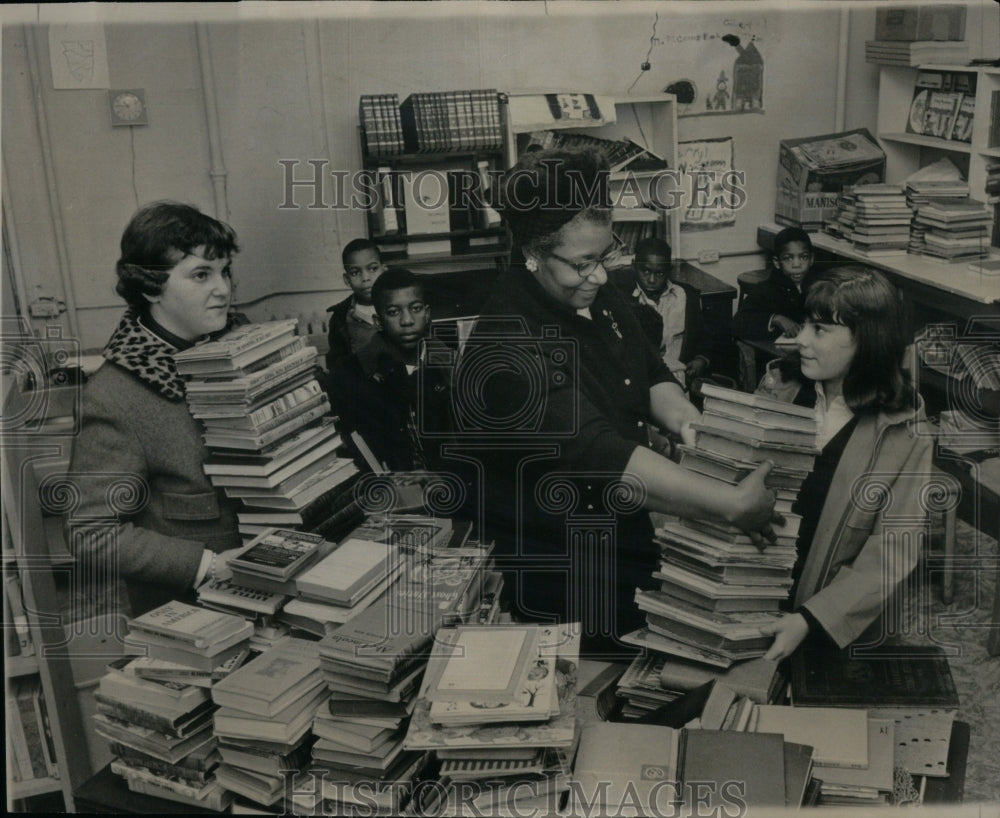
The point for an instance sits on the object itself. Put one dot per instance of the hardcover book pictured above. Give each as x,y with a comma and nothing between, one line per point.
900,676
187,624
349,572
273,681
838,736
242,345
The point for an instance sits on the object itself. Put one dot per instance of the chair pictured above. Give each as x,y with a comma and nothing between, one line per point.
748,280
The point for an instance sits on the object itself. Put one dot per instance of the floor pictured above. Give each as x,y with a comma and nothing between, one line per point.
963,626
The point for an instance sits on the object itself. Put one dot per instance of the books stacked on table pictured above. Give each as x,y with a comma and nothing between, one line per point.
264,718
160,735
719,593
373,663
909,687
875,218
255,392
497,707
954,229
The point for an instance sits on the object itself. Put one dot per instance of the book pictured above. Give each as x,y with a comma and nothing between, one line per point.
484,664
196,766
838,736
757,679
240,346
348,572
274,680
758,429
280,553
302,494
286,727
878,775
740,447
12,586
215,798
206,660
279,477
146,740
900,676
167,722
149,668
235,598
798,771
121,681
186,624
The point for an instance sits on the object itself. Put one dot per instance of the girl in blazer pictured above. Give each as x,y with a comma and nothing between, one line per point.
862,506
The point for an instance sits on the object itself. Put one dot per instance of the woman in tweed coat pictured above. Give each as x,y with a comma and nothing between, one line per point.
147,513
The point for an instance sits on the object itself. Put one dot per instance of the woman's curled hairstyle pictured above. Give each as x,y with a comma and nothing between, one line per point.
158,236
864,301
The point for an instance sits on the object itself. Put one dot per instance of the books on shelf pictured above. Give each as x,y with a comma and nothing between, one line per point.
922,52
381,127
445,121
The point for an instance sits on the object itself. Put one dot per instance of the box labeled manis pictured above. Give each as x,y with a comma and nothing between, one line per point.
813,170
920,23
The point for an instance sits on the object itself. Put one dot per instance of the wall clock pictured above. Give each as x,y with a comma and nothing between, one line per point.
128,107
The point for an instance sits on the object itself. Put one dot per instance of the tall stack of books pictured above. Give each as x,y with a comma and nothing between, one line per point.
264,719
497,707
875,218
445,121
955,229
160,735
256,394
718,591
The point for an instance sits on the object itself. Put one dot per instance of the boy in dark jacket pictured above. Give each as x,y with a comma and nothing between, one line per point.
774,307
352,321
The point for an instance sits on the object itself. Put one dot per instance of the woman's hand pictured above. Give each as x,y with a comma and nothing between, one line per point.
753,506
789,631
222,570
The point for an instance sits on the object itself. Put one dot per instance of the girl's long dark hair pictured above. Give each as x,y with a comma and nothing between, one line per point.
864,301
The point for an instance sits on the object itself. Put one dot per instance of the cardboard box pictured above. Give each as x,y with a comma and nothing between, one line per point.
813,170
920,23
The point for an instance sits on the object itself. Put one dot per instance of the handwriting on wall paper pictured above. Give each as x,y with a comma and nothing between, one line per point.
79,56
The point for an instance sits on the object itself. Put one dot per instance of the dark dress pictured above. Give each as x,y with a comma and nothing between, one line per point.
553,404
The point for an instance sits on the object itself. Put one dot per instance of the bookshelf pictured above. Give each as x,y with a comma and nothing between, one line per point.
28,557
649,120
908,152
427,171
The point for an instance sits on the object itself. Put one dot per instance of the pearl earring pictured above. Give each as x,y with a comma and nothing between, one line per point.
531,264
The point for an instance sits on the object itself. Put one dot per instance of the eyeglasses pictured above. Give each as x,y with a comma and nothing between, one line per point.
586,268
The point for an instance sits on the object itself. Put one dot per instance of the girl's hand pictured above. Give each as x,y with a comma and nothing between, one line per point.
789,631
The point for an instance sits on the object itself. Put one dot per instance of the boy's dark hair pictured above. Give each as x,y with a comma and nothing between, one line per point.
863,300
652,246
393,280
787,236
356,246
157,237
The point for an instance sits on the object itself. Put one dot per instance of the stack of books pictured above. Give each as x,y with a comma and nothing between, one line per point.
445,121
381,128
922,52
160,736
875,218
189,635
919,193
256,394
718,592
264,718
908,688
954,229
373,664
497,707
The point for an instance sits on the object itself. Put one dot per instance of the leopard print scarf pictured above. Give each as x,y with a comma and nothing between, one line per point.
147,356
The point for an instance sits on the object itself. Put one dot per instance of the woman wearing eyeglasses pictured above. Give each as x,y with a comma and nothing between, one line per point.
553,395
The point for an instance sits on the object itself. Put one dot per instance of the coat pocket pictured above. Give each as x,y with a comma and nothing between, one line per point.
201,506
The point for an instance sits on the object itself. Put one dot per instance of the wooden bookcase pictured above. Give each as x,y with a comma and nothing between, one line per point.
650,120
908,152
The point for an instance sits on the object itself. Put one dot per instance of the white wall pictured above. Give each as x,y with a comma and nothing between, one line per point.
287,87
